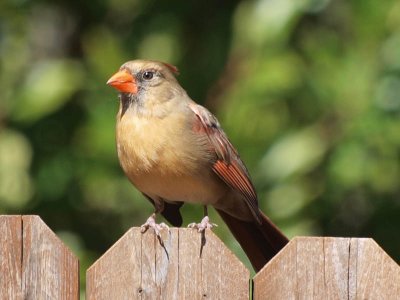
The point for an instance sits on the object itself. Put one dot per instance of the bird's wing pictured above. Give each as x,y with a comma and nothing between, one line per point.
228,165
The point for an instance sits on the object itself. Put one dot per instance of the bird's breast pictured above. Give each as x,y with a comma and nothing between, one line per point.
164,157
146,143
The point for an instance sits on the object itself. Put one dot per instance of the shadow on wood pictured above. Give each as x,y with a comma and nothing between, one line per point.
138,266
34,263
329,268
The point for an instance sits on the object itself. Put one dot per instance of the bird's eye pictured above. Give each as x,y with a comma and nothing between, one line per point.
148,75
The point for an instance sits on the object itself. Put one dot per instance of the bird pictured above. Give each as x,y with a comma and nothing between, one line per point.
174,151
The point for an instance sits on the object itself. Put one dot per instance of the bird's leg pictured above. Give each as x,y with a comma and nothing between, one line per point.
151,221
204,224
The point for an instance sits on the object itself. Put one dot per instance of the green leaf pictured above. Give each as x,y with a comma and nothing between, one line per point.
49,84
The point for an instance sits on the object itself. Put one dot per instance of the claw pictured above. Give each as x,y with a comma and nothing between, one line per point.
203,225
151,223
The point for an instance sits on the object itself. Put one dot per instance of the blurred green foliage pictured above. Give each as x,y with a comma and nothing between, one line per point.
308,91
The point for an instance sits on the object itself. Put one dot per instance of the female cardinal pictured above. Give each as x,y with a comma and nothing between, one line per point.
174,151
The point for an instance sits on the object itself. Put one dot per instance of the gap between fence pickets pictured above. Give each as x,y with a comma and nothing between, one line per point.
22,252
352,266
349,279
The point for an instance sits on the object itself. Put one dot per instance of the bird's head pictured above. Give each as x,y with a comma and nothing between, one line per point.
141,77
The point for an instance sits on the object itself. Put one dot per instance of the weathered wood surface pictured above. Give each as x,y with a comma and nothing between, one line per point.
329,268
138,267
10,257
34,263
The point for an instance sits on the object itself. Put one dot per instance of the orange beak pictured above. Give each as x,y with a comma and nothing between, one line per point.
123,81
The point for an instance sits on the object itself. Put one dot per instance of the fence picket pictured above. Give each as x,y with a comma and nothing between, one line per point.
174,270
34,264
329,268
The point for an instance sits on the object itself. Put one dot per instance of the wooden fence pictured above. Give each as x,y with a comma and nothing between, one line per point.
34,264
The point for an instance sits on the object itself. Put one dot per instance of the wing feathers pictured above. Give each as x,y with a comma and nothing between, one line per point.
228,166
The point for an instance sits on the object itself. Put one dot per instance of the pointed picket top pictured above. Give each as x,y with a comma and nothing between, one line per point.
184,266
329,268
34,263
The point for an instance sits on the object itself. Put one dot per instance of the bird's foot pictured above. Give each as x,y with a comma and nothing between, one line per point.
151,223
203,225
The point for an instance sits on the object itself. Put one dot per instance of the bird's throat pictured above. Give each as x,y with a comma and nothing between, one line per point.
127,100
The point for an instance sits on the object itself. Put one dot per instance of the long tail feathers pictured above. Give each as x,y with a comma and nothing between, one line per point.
261,242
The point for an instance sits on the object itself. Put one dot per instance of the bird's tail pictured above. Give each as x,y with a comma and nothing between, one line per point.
260,241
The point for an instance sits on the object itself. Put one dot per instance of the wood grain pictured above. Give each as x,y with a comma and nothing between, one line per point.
167,265
117,274
374,274
34,263
189,264
10,257
329,268
336,267
223,275
49,269
171,270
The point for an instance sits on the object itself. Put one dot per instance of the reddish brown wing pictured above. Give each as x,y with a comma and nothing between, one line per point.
229,167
